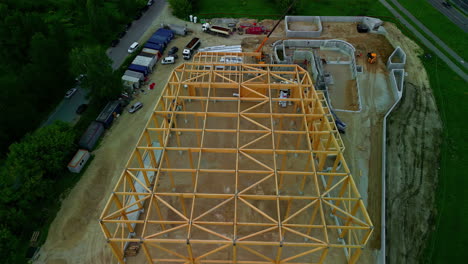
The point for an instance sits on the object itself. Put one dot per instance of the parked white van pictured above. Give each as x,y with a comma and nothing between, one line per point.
133,47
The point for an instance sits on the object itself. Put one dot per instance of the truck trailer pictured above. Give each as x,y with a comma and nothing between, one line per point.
216,30
190,48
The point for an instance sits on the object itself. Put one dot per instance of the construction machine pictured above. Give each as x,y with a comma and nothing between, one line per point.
259,49
371,57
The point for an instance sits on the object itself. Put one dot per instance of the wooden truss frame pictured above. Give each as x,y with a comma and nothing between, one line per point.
314,209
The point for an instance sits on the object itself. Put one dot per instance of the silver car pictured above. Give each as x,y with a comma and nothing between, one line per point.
70,93
135,107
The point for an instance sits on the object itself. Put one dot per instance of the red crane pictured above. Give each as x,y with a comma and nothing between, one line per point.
273,29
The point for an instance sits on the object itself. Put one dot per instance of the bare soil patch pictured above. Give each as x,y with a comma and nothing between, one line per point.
302,26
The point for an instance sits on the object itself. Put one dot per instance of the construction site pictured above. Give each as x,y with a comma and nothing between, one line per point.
275,154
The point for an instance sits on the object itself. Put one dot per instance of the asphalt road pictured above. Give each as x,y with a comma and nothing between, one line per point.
427,31
451,13
462,4
139,27
65,111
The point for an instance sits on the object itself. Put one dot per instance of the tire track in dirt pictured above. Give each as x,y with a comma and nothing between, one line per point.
411,174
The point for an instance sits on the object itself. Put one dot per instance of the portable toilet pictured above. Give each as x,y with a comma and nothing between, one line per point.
78,161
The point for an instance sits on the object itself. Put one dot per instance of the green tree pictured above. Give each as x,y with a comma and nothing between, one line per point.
8,245
28,174
102,82
42,154
181,8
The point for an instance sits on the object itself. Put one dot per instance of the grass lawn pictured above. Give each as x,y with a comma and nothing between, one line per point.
448,242
242,7
343,8
256,8
439,24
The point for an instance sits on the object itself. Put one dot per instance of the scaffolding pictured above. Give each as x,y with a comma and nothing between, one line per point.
226,171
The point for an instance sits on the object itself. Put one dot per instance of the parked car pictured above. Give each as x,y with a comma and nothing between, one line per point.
173,50
135,107
133,47
70,93
150,2
168,60
81,108
115,42
144,8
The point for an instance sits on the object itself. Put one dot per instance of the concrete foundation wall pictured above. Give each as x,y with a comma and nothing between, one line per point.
301,55
397,59
333,44
397,79
325,44
374,24
315,20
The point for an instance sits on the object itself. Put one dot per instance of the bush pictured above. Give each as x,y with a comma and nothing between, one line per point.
181,8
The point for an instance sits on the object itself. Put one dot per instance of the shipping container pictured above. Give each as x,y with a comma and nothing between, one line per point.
154,46
159,39
78,161
109,112
152,51
130,82
139,68
145,61
91,135
149,55
135,74
165,32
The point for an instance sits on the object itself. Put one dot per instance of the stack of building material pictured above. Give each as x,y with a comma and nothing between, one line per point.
132,249
179,30
222,48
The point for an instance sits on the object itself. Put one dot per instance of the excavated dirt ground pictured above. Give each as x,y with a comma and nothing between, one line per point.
414,137
302,26
75,236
